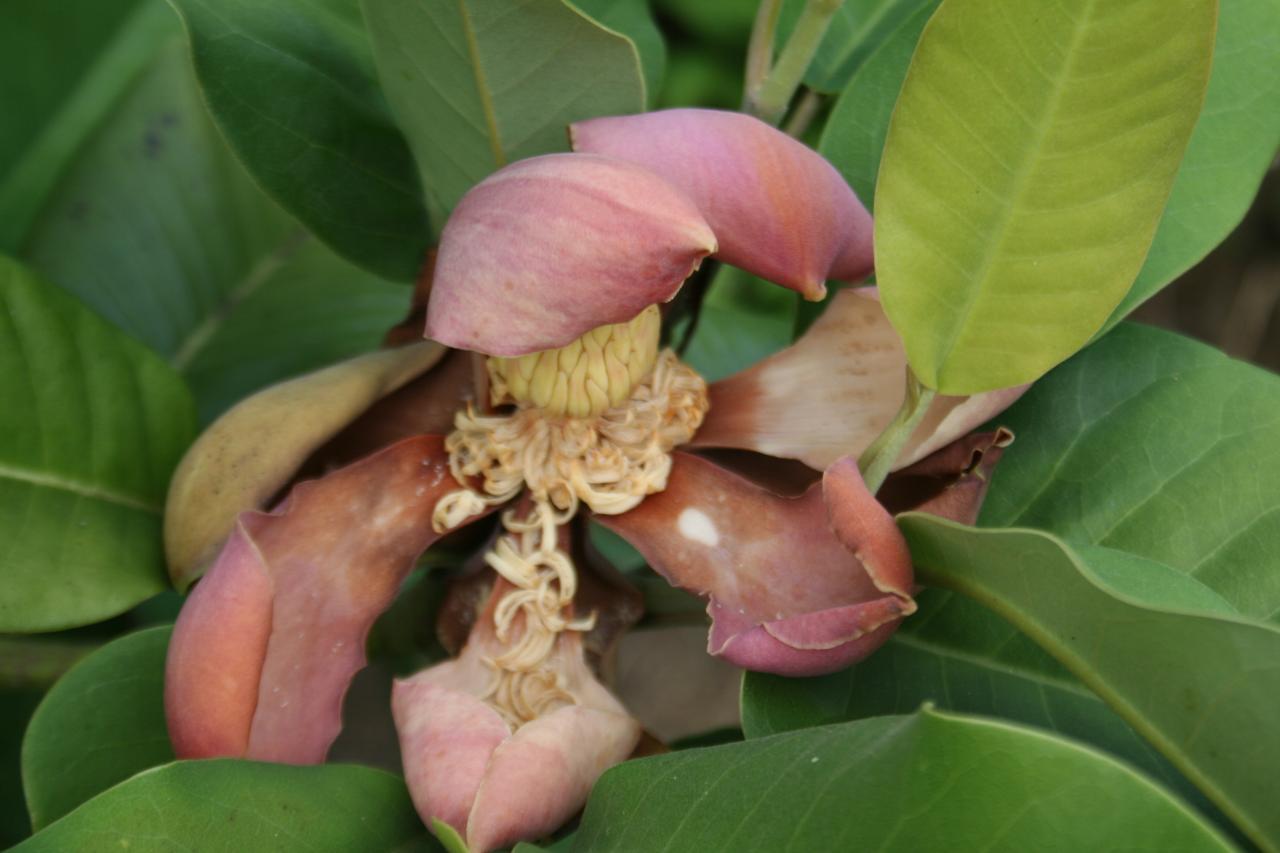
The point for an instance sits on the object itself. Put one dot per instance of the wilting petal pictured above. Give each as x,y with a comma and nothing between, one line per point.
833,391
952,482
253,450
216,654
761,649
777,207
265,647
464,765
447,736
548,248
796,586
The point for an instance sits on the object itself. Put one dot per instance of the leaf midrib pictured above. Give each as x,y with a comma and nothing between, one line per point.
76,487
993,664
258,275
482,86
1019,186
868,24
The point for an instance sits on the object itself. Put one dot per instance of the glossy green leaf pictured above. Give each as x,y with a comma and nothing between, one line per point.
477,84
1152,444
890,783
230,806
634,19
1233,145
291,84
856,30
157,227
100,724
964,658
91,426
306,308
63,66
1027,165
1201,687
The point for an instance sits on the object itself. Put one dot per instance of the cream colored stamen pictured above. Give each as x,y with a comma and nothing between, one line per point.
609,461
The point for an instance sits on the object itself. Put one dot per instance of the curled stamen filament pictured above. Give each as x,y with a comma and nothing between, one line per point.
610,462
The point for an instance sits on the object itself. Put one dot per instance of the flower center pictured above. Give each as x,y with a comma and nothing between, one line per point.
587,377
609,460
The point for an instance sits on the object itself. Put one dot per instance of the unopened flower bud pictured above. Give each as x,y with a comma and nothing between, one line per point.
583,378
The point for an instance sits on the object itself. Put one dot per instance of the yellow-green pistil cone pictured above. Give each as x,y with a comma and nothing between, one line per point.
585,378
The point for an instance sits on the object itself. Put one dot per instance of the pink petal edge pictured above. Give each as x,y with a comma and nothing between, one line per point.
777,207
548,248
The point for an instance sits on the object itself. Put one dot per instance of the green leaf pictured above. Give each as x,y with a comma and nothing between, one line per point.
91,427
853,138
1152,444
1233,143
300,308
230,806
891,783
634,19
100,724
157,227
961,656
1202,688
743,319
1230,151
723,23
63,66
479,83
1022,181
291,83
857,29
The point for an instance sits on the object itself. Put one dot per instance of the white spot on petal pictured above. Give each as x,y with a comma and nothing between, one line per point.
696,526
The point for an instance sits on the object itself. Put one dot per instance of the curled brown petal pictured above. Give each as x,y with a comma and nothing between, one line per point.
266,645
777,571
253,450
833,391
952,482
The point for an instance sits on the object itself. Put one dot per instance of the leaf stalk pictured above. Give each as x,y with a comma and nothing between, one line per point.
880,455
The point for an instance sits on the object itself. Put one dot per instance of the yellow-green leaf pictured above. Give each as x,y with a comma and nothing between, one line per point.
1027,165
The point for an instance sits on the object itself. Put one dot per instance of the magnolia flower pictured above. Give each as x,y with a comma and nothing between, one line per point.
552,271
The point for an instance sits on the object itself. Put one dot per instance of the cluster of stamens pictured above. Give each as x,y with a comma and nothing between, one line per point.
609,460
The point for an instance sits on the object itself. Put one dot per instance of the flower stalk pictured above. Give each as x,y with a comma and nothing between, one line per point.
877,460
804,114
769,99
760,48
